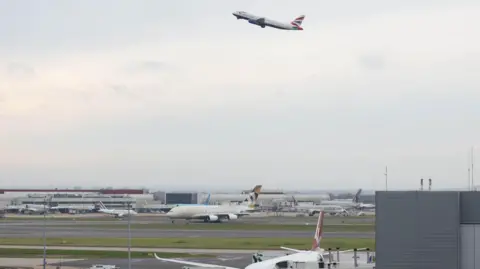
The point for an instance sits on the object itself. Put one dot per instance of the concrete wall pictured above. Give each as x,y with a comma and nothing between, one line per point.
417,230
469,210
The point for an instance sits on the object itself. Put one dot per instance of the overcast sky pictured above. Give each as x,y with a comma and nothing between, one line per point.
181,94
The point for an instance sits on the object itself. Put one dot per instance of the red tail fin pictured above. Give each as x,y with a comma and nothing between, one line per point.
318,232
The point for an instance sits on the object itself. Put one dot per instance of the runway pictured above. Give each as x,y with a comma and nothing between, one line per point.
162,219
11,230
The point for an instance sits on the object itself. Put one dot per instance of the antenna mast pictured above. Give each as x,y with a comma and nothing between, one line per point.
473,182
468,176
386,178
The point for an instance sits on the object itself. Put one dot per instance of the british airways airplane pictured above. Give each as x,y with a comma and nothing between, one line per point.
262,21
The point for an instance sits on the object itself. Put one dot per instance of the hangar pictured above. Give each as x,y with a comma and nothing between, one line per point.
427,229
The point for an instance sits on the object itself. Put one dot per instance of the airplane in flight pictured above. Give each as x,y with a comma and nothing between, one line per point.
117,213
296,24
216,213
315,255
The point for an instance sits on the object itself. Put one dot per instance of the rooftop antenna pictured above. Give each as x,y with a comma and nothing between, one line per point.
473,182
468,176
386,178
421,184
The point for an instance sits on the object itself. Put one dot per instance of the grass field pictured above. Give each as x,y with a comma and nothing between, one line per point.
201,243
90,254
234,226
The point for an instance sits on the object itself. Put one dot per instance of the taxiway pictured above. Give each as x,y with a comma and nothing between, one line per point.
36,230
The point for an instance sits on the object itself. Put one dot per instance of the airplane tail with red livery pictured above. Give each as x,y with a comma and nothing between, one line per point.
316,238
318,232
297,22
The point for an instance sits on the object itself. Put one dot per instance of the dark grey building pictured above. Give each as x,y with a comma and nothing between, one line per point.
427,230
181,198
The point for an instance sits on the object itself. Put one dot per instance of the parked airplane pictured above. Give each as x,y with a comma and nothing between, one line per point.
28,208
262,21
73,208
216,213
118,213
313,256
313,209
345,203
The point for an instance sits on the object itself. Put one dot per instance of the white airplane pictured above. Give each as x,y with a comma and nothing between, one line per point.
314,256
118,213
73,207
313,209
345,203
216,213
29,208
262,21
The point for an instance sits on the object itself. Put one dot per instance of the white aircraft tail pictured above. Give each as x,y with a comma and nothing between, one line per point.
252,197
102,206
298,20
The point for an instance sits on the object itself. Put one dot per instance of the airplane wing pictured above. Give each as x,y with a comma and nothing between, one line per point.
261,21
292,249
193,263
351,250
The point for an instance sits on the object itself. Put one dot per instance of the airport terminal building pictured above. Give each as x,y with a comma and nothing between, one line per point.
427,230
114,201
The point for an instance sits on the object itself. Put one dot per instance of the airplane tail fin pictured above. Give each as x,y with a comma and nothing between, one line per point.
102,206
207,201
318,232
294,201
252,197
356,198
298,20
316,238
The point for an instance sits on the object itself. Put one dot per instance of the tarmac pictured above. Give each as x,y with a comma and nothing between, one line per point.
69,228
235,260
257,218
12,230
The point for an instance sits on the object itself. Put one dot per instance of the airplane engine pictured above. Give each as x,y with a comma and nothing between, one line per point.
232,216
212,218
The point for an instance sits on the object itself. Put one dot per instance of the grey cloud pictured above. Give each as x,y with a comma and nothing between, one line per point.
20,69
122,90
150,66
372,61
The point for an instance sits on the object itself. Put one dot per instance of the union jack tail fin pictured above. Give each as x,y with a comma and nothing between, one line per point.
318,232
298,20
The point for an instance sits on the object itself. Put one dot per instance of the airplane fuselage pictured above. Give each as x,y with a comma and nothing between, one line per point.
304,256
191,211
263,22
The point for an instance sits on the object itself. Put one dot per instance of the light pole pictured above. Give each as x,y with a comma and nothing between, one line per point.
44,233
129,238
